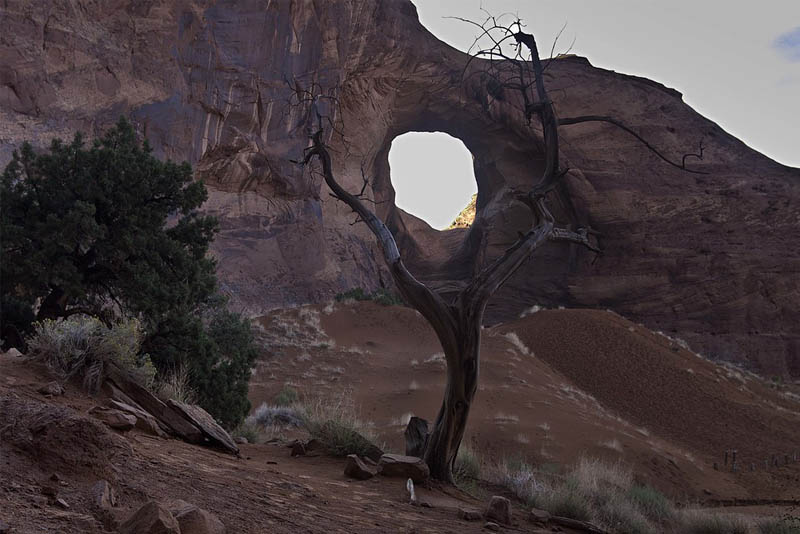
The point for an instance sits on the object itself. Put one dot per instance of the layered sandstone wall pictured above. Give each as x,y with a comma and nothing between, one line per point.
714,258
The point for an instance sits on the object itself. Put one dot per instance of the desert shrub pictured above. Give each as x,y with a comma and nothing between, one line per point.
287,396
698,522
381,296
521,480
78,236
268,415
467,466
335,423
778,526
83,345
652,503
565,501
248,431
176,385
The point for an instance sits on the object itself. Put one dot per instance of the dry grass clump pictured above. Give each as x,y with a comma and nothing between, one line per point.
701,522
268,415
779,526
335,422
176,386
602,493
84,345
467,467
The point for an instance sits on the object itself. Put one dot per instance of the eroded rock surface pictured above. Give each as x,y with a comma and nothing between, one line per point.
713,258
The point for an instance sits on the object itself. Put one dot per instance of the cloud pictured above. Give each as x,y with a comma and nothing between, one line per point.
788,44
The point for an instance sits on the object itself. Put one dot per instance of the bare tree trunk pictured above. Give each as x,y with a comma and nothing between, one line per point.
463,363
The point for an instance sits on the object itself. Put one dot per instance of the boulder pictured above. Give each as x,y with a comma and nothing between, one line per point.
51,389
116,419
398,465
499,510
194,520
539,516
152,518
416,435
214,434
144,421
356,468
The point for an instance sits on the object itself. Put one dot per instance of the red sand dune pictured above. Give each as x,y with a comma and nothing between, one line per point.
554,385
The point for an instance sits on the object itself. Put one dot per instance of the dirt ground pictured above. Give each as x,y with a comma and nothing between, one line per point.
554,386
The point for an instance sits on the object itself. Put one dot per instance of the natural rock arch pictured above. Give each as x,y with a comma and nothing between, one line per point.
730,290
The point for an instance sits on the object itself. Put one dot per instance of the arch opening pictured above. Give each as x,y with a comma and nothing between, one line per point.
433,177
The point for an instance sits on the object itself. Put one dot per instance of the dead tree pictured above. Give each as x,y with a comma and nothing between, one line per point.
457,323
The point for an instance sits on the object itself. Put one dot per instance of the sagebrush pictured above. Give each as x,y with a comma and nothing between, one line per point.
84,346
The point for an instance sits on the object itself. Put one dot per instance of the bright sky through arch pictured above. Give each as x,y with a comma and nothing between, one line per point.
432,176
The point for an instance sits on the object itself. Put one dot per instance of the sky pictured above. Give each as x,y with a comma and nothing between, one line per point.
737,62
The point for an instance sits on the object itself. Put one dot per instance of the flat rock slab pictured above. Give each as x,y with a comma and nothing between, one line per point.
144,421
171,418
398,465
115,419
216,435
357,468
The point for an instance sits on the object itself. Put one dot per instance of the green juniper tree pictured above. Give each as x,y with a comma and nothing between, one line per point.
109,230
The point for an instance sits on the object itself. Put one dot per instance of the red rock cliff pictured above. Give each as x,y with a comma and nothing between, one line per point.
715,258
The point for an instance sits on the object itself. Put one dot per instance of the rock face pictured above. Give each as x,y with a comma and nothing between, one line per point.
714,258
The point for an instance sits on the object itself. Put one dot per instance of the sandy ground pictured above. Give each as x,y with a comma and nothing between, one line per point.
554,386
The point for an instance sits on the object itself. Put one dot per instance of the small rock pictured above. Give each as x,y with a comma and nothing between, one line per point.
298,449
50,491
354,467
62,503
55,477
398,465
241,440
468,514
152,518
13,353
194,520
116,419
51,389
499,509
539,516
103,496
491,526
